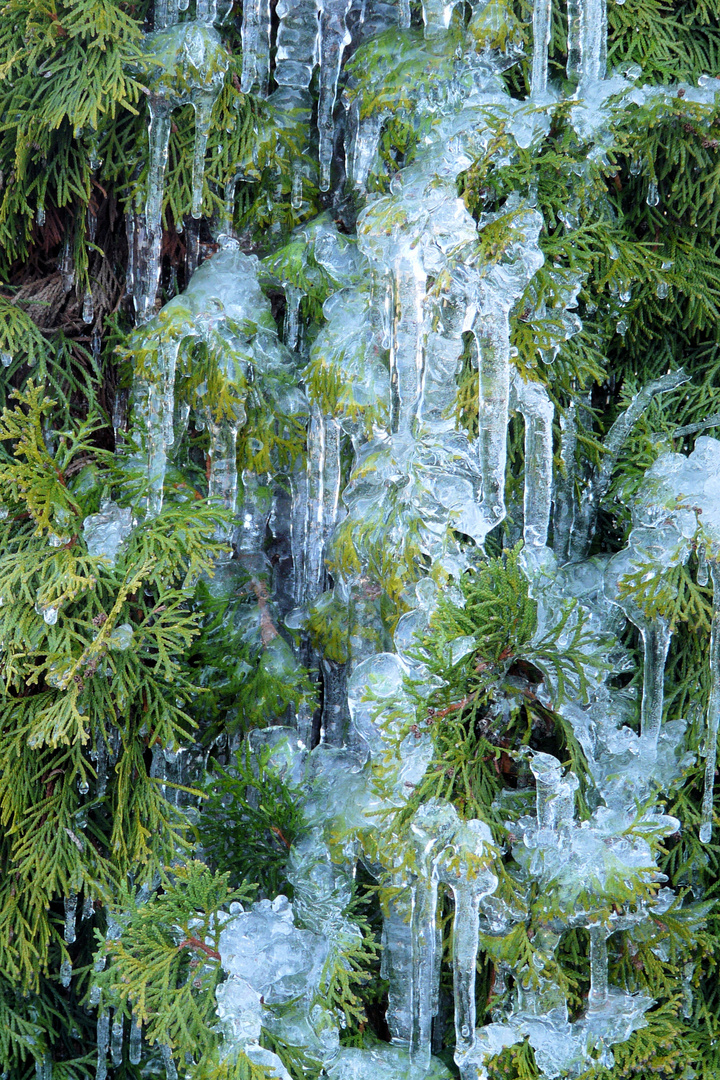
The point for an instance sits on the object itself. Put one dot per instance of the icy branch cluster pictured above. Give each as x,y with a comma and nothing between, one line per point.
415,288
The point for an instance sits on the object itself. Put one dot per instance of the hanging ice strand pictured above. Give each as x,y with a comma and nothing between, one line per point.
187,65
255,36
591,46
334,38
541,41
713,713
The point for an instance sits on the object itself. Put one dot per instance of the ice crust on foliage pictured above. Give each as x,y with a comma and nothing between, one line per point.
412,287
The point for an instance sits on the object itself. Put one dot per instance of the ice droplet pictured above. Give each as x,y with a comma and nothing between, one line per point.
653,195
6,358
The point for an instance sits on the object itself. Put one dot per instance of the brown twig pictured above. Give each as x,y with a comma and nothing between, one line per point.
196,943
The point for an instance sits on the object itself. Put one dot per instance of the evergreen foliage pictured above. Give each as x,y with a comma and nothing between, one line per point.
107,666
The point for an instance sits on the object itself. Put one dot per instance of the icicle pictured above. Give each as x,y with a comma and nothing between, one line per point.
167,1059
541,41
297,43
88,908
493,337
702,567
397,959
296,185
405,16
593,40
88,312
407,345
565,484
334,38
656,642
653,195
538,411
203,105
314,528
66,972
255,36
148,270
70,916
135,1048
424,944
43,1068
465,950
293,297
161,14
598,995
229,221
116,1047
713,711
130,267
40,216
67,267
363,139
103,1041
574,30
223,479
91,223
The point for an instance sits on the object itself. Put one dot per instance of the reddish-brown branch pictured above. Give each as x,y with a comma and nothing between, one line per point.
196,943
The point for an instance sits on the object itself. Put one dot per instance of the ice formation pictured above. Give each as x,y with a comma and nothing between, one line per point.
408,297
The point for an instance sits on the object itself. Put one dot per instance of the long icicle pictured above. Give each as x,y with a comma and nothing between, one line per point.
424,944
713,712
334,39
493,338
541,41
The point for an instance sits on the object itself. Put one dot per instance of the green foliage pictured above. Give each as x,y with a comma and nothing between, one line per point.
250,820
164,967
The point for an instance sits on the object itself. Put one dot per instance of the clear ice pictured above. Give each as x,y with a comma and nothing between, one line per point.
409,296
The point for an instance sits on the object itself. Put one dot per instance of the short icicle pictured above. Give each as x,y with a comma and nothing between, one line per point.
533,401
135,1047
713,713
598,995
103,1042
656,637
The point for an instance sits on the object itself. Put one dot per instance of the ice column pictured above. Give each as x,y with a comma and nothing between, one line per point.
598,994
255,35
424,944
533,401
407,344
541,40
713,714
593,40
656,635
334,38
492,333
